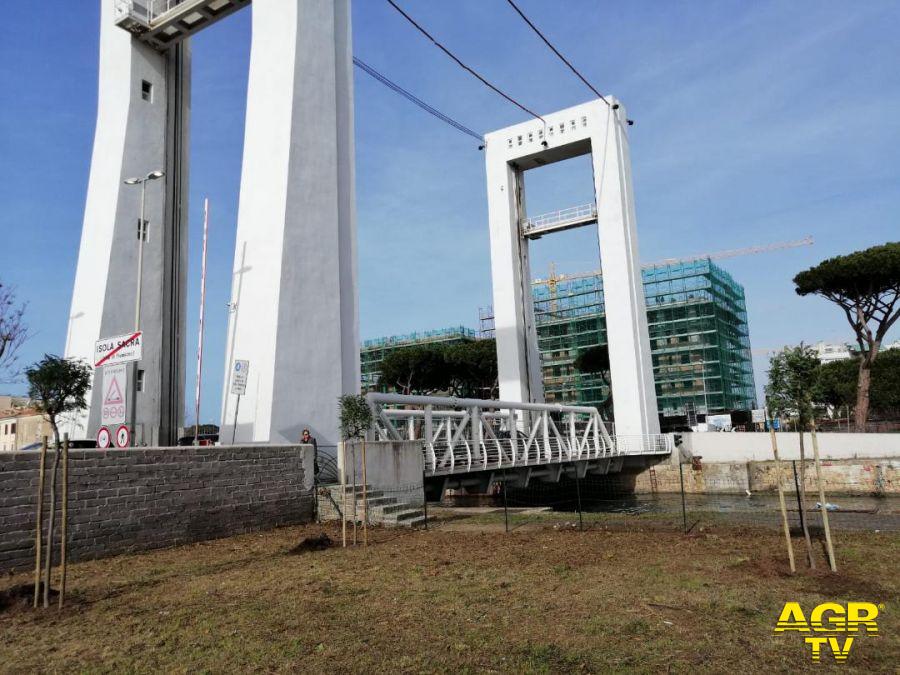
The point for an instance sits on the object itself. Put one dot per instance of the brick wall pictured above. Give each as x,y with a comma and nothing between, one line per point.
143,498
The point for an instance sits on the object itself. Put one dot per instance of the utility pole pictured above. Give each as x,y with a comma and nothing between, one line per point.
200,335
142,235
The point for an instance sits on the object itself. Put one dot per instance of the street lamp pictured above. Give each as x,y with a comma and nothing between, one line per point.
153,175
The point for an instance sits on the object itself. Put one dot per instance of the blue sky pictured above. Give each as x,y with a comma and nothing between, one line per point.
755,122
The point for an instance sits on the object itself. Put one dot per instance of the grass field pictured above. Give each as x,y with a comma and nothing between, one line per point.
455,599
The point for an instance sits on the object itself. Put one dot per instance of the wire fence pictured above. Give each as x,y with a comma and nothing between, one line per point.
688,497
619,502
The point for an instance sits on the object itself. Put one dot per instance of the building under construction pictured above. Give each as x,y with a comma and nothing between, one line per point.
373,351
698,334
699,338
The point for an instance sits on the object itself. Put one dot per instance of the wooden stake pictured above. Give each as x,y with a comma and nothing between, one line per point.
65,521
48,559
39,526
828,544
804,521
365,497
353,456
784,518
344,493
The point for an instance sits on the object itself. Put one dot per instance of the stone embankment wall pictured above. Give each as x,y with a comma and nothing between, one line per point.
879,477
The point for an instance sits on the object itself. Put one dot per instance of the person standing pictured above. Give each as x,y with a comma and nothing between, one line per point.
307,439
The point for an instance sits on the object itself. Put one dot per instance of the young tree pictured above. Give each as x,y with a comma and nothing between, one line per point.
793,374
595,361
792,379
57,386
13,331
355,416
866,285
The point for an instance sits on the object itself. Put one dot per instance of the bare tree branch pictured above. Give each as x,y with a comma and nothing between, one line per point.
13,332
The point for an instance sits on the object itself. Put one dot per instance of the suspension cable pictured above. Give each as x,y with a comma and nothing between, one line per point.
414,99
555,50
461,64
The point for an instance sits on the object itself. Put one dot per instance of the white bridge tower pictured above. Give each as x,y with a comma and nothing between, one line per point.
294,300
597,128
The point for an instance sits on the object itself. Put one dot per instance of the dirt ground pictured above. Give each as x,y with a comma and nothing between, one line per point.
456,599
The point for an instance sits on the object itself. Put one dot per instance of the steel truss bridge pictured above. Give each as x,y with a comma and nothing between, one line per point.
463,436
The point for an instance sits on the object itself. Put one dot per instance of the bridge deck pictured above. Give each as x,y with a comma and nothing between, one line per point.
557,221
496,454
162,23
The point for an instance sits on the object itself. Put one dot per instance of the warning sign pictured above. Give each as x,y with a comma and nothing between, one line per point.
118,349
115,381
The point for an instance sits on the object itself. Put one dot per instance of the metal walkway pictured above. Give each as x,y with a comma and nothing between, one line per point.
472,435
162,23
557,221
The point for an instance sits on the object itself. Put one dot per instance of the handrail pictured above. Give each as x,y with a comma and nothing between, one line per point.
570,213
461,435
406,399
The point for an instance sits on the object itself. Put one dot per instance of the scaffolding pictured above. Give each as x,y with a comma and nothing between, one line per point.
373,351
699,337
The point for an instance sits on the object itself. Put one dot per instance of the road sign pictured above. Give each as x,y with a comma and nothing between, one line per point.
758,415
239,377
104,440
118,349
123,437
115,384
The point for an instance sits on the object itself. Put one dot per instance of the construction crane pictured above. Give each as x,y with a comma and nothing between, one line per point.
486,314
554,278
735,252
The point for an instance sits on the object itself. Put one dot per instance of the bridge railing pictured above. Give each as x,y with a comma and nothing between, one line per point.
582,211
464,435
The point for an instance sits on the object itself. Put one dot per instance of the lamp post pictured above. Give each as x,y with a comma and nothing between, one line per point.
142,233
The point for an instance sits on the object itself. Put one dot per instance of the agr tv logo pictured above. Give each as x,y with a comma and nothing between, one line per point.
830,617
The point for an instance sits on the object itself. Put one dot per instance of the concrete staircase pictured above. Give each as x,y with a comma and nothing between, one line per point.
384,509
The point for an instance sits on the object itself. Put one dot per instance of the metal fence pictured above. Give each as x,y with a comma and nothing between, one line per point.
467,435
610,502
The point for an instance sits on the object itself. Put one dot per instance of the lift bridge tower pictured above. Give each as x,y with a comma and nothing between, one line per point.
294,295
596,128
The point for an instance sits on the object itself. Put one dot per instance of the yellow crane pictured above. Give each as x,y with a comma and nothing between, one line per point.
555,278
486,315
735,252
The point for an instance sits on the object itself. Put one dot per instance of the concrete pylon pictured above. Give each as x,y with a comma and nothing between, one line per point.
597,128
142,126
294,312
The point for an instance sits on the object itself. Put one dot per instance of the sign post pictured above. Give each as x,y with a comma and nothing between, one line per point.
239,387
758,418
112,353
200,332
118,349
115,384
